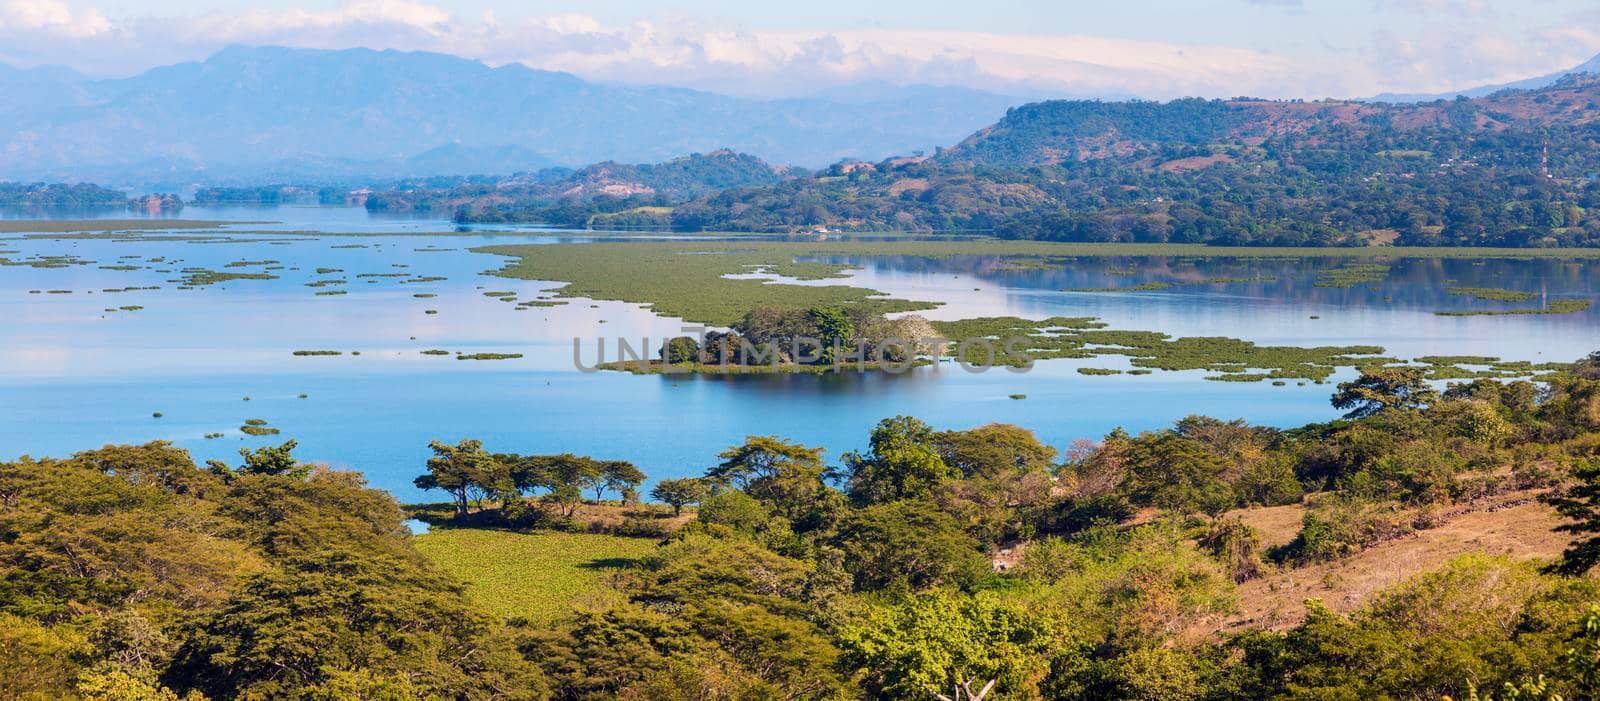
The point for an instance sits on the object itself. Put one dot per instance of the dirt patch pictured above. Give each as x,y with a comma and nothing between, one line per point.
1179,165
1379,237
1276,525
1515,525
907,185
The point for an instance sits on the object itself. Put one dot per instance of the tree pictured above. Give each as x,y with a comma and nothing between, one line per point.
615,475
1177,473
681,350
787,477
834,330
463,470
987,450
268,460
930,643
902,463
565,476
1589,367
679,493
1384,389
908,545
314,620
1581,506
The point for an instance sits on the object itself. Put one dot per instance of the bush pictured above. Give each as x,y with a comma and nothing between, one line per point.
636,527
1236,546
1345,526
734,509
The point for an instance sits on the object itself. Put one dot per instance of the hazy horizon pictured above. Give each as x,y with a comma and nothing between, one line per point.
1148,49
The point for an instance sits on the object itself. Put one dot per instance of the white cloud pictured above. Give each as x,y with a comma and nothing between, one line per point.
1467,45
52,17
256,24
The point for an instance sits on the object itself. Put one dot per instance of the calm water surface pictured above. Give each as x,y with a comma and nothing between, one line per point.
73,376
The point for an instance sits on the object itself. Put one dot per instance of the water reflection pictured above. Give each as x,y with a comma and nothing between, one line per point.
73,375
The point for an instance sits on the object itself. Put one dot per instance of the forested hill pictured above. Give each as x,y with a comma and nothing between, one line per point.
1512,169
574,193
1052,132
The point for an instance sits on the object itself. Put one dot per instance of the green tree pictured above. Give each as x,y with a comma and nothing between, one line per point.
615,475
679,493
1178,474
908,545
563,477
735,509
994,448
787,477
932,643
464,470
902,463
834,330
1384,389
315,619
681,350
1580,504
275,461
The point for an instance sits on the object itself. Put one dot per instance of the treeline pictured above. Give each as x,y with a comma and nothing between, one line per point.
931,561
270,195
820,335
615,192
1519,170
59,196
1333,186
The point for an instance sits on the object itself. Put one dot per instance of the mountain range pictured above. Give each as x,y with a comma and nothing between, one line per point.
263,114
1515,168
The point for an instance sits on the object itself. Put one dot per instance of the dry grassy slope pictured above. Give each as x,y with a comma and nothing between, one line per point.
1515,525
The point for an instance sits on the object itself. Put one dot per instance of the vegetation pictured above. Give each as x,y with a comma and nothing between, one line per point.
930,561
1556,306
537,577
621,195
1510,169
58,196
1493,294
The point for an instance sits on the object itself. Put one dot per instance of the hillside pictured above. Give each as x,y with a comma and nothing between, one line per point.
570,197
1511,169
1053,132
246,115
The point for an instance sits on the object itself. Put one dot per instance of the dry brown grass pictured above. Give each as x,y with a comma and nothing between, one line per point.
1515,525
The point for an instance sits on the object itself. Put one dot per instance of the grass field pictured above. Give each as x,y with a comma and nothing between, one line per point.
537,576
686,279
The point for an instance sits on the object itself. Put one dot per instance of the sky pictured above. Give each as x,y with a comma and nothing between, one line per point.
1156,49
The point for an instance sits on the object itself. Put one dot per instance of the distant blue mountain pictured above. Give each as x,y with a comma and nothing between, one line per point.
1590,66
248,114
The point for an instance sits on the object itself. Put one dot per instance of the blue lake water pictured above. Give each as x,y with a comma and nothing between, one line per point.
74,376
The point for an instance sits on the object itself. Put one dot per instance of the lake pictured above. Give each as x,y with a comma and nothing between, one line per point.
75,376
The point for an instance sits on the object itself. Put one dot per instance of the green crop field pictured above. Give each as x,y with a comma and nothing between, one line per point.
537,576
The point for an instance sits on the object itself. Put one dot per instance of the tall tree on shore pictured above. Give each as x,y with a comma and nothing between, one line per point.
1384,389
679,493
465,470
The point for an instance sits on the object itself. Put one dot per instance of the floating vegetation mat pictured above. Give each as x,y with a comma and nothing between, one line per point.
1168,284
488,356
1352,274
1014,341
1559,306
1494,294
195,277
